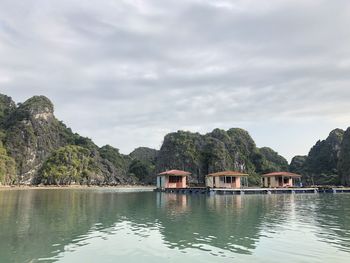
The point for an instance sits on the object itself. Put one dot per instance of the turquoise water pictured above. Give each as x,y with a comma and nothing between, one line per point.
106,226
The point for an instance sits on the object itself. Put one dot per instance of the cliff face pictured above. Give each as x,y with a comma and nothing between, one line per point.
216,151
37,148
344,159
7,105
7,167
143,164
79,165
144,154
271,161
40,149
181,150
320,166
297,165
32,134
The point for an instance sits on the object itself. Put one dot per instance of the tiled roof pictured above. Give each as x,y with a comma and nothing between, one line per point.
282,174
175,172
228,173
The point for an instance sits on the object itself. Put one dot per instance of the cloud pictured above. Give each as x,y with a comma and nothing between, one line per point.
127,72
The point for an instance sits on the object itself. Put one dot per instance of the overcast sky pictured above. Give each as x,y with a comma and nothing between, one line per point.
126,72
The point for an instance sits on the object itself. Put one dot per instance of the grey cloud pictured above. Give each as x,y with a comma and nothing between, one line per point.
127,72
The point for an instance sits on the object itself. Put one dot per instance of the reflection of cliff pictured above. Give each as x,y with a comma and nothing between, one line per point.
226,222
37,224
332,215
41,223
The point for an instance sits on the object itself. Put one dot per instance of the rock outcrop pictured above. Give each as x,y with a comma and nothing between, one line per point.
32,134
216,151
143,164
297,165
320,166
38,148
344,159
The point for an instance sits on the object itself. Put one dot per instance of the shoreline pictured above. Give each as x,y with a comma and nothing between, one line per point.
82,187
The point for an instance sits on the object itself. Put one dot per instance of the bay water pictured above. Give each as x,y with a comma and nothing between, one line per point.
106,225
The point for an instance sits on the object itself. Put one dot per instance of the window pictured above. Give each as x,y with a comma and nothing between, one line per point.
175,179
228,179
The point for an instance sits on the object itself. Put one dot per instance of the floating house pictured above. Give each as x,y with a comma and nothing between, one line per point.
280,179
172,179
225,179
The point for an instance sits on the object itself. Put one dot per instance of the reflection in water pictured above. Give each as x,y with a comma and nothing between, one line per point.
224,224
332,213
229,222
58,225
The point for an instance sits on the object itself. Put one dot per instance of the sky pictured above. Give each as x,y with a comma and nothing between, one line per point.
127,72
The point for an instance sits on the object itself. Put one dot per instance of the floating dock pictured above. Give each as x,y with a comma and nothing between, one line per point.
242,191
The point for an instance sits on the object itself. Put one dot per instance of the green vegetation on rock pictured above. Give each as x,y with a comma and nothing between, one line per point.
38,143
112,154
7,105
37,148
7,167
70,164
217,151
143,164
32,134
320,166
344,159
140,170
297,165
272,161
144,154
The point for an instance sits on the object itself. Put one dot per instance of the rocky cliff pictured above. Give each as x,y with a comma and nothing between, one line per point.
320,166
344,159
32,134
143,164
37,148
218,150
297,165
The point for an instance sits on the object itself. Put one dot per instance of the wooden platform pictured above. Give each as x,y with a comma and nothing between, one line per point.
334,190
210,191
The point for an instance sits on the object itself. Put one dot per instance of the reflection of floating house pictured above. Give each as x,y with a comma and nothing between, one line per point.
280,179
225,179
172,203
172,179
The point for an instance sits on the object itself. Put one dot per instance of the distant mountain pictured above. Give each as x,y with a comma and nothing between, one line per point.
326,162
144,154
344,159
37,148
143,164
216,151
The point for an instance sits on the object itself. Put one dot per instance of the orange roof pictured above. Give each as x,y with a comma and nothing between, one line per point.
228,173
281,174
175,172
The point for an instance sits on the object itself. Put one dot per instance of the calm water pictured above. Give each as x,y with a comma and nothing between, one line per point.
107,226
